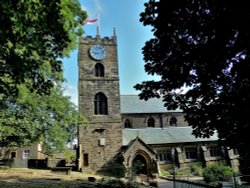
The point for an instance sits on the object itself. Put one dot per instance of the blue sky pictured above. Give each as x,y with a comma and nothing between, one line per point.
131,36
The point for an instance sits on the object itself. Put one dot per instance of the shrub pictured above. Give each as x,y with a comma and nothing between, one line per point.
164,172
183,172
132,184
197,170
216,172
117,170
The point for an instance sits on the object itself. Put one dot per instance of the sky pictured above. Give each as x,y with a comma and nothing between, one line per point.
123,15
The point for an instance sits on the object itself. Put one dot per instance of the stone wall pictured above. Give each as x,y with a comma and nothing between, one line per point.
204,157
161,119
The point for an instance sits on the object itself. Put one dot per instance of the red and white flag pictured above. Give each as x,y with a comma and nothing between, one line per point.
90,21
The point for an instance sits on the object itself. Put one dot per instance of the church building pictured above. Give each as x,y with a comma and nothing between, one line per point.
124,125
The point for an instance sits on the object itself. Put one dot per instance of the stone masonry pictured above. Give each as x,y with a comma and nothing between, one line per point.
101,140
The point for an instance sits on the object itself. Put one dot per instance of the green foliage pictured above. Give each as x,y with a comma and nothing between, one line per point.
216,172
114,183
137,166
30,117
134,170
197,170
70,155
202,45
116,168
117,183
164,172
183,172
34,34
132,184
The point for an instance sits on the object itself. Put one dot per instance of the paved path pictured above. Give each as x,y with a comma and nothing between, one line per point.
164,183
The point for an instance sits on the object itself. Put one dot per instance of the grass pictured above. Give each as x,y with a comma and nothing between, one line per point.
33,178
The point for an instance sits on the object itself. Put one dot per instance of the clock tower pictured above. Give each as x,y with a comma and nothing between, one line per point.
99,100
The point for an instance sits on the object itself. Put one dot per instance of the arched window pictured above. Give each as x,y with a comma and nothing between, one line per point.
151,122
127,123
99,70
101,104
173,121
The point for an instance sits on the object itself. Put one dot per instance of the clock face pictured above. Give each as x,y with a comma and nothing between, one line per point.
97,52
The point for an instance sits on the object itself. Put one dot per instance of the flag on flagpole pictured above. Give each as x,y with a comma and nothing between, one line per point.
90,21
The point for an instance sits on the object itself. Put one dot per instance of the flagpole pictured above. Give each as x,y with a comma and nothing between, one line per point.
98,21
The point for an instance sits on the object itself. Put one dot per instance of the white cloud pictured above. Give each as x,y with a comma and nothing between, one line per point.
98,6
71,91
93,8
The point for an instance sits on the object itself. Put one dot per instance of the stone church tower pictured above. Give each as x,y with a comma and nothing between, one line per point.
99,100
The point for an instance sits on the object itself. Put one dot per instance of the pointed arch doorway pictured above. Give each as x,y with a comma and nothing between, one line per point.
139,165
140,157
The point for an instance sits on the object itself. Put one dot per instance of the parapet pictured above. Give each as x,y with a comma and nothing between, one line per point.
97,39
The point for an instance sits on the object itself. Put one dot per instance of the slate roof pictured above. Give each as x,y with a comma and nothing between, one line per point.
131,104
137,139
163,136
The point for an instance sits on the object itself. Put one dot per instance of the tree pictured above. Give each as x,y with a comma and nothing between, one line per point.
31,117
202,45
34,35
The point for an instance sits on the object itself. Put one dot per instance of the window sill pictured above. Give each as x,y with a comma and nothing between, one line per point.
191,160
